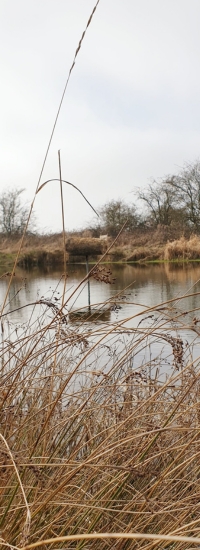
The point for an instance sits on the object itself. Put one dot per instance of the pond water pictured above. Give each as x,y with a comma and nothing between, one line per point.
134,289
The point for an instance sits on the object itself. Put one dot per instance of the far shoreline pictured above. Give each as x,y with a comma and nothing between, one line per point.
47,250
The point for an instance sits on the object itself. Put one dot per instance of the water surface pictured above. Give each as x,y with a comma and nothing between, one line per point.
134,289
137,286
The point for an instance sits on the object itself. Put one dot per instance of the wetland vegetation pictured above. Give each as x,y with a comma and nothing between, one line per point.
93,440
100,442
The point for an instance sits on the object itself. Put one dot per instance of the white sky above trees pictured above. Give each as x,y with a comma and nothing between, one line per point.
131,110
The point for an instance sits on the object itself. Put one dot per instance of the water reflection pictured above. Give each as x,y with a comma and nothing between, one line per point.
90,315
155,335
135,286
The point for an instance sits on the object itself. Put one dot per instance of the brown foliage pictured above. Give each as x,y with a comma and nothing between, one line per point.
183,249
80,246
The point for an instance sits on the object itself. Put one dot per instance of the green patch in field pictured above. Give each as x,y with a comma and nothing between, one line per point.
6,259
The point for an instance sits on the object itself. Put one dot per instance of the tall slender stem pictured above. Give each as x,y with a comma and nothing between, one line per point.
63,226
87,271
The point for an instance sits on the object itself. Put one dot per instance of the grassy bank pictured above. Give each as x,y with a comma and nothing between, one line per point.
98,433
48,249
6,259
38,250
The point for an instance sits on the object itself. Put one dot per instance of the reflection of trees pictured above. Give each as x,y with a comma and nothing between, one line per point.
3,287
148,285
15,295
137,275
186,273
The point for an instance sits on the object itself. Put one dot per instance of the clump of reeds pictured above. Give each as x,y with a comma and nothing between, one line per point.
101,437
183,249
117,253
145,253
85,246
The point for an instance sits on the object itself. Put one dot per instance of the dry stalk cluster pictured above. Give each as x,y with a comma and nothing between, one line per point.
185,249
103,275
99,433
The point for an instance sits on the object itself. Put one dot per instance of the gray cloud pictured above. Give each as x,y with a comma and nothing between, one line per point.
131,111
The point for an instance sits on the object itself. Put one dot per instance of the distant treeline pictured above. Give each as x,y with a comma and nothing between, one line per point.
172,203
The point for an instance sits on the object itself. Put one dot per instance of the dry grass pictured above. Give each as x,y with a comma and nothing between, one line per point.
94,439
38,250
85,246
48,249
183,249
37,242
145,253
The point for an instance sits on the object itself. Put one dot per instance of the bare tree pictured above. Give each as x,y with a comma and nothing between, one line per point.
175,198
13,214
114,214
161,202
187,188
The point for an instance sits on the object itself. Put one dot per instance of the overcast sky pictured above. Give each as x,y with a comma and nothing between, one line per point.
131,110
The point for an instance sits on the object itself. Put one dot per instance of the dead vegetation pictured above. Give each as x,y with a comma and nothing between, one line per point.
183,249
38,250
85,246
99,434
145,253
44,250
